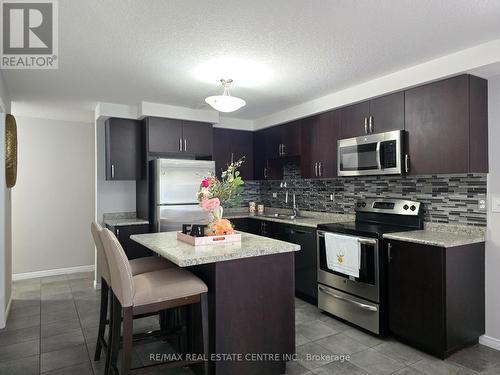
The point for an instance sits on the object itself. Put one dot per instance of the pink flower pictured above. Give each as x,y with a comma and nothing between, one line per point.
205,183
210,204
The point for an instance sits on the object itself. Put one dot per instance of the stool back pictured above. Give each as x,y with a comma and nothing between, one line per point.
121,274
102,260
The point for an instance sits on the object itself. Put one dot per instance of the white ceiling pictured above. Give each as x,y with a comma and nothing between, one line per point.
279,52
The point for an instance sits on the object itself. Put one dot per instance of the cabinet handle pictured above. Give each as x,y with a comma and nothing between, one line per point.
265,172
316,169
370,124
112,171
389,248
320,169
232,158
366,125
283,150
348,300
185,144
407,163
180,144
117,232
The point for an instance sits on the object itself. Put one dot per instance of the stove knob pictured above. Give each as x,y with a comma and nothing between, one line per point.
413,208
358,204
406,207
363,204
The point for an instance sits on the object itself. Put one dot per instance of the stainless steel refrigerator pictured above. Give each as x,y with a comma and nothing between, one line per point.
175,184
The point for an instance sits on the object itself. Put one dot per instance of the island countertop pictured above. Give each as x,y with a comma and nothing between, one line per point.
183,254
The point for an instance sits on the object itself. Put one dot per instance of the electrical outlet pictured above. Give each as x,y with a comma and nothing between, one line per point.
495,204
275,195
481,204
332,197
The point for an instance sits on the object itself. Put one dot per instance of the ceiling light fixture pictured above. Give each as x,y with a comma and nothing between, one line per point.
225,102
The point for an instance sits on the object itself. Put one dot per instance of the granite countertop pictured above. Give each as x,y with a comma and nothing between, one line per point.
442,235
183,254
117,219
310,218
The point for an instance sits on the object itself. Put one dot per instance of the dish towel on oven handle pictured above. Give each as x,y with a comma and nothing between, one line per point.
343,254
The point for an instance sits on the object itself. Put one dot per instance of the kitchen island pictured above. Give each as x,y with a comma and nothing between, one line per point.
251,298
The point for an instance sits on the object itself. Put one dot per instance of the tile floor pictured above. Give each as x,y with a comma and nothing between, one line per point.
53,324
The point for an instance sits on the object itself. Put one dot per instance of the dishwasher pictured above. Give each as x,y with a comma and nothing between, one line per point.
306,273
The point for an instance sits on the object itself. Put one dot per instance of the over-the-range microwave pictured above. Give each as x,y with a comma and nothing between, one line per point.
372,154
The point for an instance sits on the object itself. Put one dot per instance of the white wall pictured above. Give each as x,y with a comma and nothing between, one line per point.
5,216
54,197
112,196
493,240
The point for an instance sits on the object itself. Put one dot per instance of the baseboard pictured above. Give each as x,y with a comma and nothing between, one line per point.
54,272
490,341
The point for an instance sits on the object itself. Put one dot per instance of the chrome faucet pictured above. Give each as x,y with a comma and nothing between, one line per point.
296,211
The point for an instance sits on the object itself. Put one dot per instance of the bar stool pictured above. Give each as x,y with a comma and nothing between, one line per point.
148,293
138,266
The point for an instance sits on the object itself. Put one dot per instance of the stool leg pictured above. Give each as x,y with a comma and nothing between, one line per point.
110,330
102,319
204,328
128,323
115,334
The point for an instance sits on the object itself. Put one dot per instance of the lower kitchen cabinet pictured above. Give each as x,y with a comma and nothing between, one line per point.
132,249
306,284
436,295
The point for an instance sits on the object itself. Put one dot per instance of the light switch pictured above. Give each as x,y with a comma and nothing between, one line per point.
495,204
275,195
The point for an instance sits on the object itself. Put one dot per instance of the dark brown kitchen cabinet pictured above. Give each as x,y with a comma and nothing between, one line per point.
436,295
446,124
289,145
267,166
132,249
376,115
123,149
171,136
320,134
231,145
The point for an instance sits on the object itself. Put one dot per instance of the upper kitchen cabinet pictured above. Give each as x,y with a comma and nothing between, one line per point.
231,145
447,127
373,116
283,141
267,165
123,149
170,136
319,145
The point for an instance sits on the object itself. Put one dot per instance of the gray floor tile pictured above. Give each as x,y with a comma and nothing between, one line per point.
400,352
314,330
337,325
63,358
80,275
495,370
59,315
57,328
374,362
408,371
294,368
14,322
312,355
437,367
21,366
20,350
364,338
29,309
341,344
479,358
51,306
80,369
55,278
335,368
16,336
63,341
300,340
62,296
144,351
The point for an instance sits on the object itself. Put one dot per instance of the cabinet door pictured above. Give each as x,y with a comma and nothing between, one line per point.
416,294
164,135
388,113
132,249
290,139
437,125
222,149
353,119
273,140
123,146
242,146
259,155
320,134
197,138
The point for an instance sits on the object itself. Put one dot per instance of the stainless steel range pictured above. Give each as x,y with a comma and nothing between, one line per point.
362,300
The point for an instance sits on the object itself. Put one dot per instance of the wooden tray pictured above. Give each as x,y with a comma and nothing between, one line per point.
208,240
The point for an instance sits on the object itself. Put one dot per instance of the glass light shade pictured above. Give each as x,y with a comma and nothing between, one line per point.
225,103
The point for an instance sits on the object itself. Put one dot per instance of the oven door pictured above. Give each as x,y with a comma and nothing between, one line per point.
364,286
372,154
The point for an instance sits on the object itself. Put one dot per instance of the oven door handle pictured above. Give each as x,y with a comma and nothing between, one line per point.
362,241
358,304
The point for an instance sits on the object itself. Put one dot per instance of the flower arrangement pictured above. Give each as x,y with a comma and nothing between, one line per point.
216,193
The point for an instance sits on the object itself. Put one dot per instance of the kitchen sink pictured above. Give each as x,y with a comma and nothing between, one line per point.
284,216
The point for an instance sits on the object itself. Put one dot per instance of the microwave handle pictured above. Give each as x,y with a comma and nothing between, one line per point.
379,150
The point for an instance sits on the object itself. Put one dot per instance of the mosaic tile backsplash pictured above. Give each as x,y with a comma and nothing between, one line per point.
446,198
